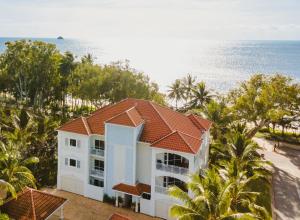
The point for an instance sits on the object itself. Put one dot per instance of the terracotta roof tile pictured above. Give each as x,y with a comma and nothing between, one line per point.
136,190
129,118
159,122
78,125
201,123
32,204
117,216
179,142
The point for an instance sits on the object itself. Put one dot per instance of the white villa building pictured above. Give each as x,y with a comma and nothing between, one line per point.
134,149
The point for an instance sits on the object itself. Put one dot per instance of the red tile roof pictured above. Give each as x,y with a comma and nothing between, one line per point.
78,125
32,204
136,190
159,122
179,142
200,122
131,117
117,216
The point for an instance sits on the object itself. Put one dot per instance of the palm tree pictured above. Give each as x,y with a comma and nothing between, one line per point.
220,115
211,199
13,169
19,128
176,91
189,85
200,96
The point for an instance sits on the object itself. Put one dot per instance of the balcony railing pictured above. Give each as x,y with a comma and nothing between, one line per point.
172,168
161,189
97,152
96,172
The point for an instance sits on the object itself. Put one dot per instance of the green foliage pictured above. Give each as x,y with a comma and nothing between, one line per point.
31,71
4,216
108,199
176,92
38,75
265,98
35,137
14,169
194,93
199,97
216,198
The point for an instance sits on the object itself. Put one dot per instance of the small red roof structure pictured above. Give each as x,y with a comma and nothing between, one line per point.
117,216
136,190
159,122
32,204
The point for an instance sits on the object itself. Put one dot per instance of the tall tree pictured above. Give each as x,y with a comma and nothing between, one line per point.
264,98
176,91
200,96
32,71
189,85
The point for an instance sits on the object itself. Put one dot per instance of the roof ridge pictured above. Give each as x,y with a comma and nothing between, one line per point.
124,112
107,107
127,111
85,123
190,135
32,205
186,142
164,137
68,122
46,193
162,118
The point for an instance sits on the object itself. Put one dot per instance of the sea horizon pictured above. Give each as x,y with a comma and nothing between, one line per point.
221,64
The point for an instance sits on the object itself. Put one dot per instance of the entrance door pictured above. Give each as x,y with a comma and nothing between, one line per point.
127,201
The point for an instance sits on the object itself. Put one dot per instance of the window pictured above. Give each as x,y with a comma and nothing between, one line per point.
99,144
72,142
170,181
72,163
96,182
99,165
146,196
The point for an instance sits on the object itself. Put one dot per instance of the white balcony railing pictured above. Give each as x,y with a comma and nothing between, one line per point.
172,168
161,189
97,152
97,172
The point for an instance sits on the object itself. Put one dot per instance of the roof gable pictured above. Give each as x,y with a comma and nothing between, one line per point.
179,142
128,118
78,125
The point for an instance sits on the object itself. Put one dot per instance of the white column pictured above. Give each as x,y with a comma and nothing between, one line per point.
61,213
136,204
117,199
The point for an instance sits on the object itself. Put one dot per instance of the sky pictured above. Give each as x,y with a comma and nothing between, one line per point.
188,19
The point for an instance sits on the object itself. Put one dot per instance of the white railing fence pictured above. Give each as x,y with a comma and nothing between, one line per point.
172,168
97,172
97,152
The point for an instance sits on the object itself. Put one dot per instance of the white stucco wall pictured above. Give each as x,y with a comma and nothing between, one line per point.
143,166
79,153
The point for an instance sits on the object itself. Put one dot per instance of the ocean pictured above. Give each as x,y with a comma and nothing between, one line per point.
221,64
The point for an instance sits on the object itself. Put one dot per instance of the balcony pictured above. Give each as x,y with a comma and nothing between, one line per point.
96,172
172,168
97,152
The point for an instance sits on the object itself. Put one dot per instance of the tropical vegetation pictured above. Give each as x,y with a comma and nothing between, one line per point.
41,88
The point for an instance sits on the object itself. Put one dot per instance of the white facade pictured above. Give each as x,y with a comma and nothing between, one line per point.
90,170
